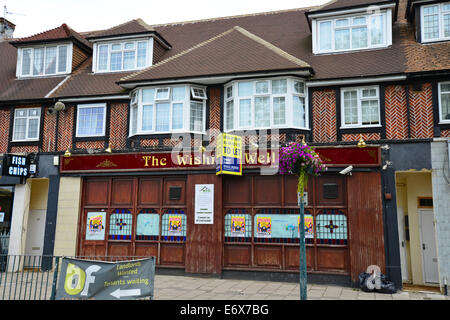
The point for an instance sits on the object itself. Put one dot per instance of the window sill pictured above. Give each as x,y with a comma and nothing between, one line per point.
359,127
25,141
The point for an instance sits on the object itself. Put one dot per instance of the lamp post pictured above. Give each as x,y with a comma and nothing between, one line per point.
302,266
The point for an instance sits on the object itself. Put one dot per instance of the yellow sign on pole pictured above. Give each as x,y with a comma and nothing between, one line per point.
229,154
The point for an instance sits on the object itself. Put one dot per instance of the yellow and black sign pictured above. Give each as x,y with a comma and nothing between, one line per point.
229,154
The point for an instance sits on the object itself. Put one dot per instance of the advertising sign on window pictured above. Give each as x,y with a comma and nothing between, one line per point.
229,154
95,229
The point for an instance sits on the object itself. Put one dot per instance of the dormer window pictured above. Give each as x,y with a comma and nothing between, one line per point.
44,60
122,55
358,31
435,24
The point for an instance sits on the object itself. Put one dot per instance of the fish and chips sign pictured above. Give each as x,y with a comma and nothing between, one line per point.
99,280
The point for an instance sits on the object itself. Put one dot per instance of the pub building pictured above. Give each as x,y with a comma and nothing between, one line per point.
124,123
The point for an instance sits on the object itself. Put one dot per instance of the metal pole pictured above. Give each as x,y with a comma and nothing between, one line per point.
303,276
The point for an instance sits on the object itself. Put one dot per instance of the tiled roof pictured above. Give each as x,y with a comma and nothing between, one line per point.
129,27
63,32
233,51
341,4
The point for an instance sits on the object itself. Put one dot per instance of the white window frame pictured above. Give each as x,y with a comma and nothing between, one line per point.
122,42
196,96
91,105
19,66
27,124
289,107
441,14
387,19
442,121
359,98
138,107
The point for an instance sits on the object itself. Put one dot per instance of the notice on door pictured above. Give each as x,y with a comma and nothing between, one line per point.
204,204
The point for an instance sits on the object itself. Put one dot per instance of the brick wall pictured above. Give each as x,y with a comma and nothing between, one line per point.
421,112
324,116
396,112
4,129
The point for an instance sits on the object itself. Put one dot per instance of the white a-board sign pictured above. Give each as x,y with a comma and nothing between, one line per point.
204,204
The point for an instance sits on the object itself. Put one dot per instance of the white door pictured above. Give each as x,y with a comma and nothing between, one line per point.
429,252
402,243
35,232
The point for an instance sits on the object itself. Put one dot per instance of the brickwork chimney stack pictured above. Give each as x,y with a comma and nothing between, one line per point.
6,29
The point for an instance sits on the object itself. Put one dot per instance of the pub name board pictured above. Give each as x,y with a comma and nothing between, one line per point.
338,157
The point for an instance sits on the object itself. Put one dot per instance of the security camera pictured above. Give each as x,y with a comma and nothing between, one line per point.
346,170
51,110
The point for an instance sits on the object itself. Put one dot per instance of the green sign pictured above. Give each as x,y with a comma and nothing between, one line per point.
98,280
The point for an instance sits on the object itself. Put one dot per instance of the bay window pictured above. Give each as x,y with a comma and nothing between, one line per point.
265,104
435,20
166,110
121,55
44,60
353,32
360,107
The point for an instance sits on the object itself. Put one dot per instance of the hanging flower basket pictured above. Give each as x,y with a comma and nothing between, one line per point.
301,160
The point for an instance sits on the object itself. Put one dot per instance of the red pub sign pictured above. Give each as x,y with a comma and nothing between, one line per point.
332,157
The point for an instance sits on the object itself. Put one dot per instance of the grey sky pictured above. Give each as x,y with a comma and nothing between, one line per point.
35,16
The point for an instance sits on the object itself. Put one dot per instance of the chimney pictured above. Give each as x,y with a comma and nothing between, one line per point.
6,29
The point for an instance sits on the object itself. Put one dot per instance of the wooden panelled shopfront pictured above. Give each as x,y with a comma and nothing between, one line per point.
255,218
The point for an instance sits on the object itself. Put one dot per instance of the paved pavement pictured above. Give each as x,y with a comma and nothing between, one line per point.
171,287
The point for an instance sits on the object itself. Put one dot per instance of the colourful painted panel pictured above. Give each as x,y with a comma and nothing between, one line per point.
173,227
238,226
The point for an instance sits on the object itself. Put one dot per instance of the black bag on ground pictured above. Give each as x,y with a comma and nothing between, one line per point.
362,281
386,286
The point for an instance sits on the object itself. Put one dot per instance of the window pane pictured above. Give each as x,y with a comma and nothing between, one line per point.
129,46
177,116
102,57
446,25
359,38
20,127
134,119
342,39
245,113
351,107
299,87
147,117
369,112
229,115
142,54
445,87
116,61
196,116
341,23
34,112
431,22
116,46
262,87
229,92
445,106
62,59
162,116
178,93
279,110
148,95
359,21
33,128
279,86
369,93
299,112
162,93
262,112
38,65
90,121
128,60
245,89
377,30
325,35
26,61
50,60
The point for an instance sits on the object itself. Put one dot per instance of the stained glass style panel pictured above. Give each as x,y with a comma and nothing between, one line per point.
120,224
147,227
331,227
173,225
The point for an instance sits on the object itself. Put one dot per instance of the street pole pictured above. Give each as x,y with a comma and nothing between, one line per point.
303,281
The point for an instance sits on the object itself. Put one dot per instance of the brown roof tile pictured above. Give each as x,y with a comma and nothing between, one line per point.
233,51
129,27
